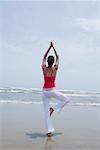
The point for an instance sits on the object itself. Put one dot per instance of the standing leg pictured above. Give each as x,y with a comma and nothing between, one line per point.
48,120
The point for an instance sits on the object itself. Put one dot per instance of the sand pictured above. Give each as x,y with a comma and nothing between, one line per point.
22,128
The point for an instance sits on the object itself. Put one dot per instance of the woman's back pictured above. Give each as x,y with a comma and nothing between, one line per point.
49,77
49,72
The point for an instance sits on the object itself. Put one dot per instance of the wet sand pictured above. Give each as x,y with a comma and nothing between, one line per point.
22,128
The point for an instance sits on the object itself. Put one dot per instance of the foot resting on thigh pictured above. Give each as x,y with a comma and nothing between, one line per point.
51,110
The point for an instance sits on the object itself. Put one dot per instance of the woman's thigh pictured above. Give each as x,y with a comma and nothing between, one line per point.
58,95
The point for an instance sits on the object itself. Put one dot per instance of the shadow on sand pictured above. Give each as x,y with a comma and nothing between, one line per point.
40,135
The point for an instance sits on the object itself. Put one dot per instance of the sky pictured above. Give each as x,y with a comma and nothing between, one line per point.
26,29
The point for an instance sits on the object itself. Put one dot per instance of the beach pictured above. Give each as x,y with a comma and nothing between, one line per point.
47,47
22,128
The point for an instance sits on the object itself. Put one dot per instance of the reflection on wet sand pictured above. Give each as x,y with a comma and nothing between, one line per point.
50,143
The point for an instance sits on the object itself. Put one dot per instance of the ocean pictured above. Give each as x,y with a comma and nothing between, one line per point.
33,96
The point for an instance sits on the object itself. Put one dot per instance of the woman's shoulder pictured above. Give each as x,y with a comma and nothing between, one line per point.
55,67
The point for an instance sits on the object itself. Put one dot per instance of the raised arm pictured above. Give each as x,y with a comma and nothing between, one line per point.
57,56
45,56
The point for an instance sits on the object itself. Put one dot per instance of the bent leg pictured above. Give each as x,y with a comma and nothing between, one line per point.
62,100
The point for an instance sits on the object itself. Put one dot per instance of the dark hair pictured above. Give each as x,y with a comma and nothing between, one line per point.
50,61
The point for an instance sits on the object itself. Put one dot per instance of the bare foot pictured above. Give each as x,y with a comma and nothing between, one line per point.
51,110
49,134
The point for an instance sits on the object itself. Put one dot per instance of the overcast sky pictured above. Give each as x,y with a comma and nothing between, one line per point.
26,30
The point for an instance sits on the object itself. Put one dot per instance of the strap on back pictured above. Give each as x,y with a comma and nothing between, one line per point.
51,72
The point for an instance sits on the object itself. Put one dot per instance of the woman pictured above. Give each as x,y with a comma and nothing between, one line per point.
49,90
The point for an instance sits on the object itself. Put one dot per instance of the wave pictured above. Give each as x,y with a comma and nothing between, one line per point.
86,104
40,102
20,90
19,102
39,91
80,93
